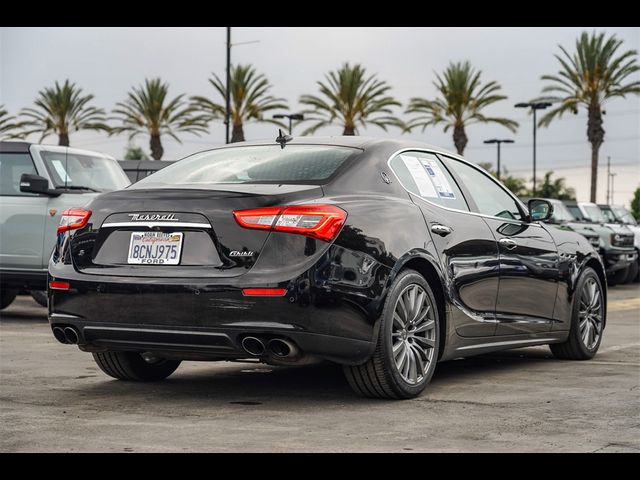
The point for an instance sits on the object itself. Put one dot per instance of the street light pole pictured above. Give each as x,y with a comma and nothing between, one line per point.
498,142
228,92
534,106
291,117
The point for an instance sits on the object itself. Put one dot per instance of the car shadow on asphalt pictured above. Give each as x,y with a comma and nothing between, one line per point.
254,384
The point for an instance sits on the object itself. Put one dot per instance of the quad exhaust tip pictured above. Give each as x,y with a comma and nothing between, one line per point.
59,334
253,346
282,348
71,335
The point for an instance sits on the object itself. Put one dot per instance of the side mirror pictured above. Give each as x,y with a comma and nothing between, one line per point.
539,210
35,184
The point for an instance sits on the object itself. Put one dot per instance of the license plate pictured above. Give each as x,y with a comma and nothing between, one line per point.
156,248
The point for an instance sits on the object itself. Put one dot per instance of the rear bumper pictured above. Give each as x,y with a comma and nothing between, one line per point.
209,320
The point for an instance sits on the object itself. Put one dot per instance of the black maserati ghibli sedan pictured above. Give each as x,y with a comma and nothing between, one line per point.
384,256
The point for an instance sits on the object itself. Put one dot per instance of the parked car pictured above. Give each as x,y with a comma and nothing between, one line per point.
384,256
37,183
618,252
621,215
139,169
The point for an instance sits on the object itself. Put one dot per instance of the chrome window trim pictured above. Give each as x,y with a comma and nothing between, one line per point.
458,157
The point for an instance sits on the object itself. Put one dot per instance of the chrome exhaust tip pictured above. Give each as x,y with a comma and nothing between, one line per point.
71,335
282,348
253,346
59,334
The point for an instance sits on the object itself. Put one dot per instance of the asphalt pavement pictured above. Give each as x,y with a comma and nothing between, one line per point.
54,398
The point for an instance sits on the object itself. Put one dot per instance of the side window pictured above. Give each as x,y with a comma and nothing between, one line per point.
424,175
488,196
12,166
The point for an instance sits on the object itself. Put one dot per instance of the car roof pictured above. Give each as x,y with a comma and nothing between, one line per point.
14,147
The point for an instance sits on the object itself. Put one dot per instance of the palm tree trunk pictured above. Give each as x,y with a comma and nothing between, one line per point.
349,130
156,147
595,134
237,134
63,139
459,138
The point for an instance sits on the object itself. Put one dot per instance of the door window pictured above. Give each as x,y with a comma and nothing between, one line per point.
490,198
12,166
423,174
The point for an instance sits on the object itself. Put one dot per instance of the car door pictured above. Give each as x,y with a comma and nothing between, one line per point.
528,255
22,215
467,249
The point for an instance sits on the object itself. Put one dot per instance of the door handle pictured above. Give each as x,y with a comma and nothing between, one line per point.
441,230
508,243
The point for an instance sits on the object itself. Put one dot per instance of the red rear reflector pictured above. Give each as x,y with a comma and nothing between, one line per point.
73,218
59,285
264,292
318,221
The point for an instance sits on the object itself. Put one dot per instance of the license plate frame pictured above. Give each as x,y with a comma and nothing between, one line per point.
159,245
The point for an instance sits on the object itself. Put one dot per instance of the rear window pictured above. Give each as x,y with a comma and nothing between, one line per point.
294,164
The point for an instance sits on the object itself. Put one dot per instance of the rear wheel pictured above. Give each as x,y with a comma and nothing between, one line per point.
587,320
7,296
40,296
407,350
139,367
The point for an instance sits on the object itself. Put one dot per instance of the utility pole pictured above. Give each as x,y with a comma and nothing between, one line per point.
612,177
227,114
608,178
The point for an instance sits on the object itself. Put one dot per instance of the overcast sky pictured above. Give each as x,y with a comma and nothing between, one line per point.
108,61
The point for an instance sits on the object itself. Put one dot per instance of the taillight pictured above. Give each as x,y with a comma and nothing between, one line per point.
318,221
264,292
73,218
54,285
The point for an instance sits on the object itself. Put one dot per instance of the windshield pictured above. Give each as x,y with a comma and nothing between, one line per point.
295,164
594,213
561,214
72,170
609,215
575,212
624,215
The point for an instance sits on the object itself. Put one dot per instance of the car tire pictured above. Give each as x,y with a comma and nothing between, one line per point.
632,275
588,315
408,343
619,276
7,296
134,367
40,296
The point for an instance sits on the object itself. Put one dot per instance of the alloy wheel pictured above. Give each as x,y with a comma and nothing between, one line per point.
590,313
413,334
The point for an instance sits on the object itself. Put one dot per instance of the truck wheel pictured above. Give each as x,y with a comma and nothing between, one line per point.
632,276
40,296
134,366
6,297
619,276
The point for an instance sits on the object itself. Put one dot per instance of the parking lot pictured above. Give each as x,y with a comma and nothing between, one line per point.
54,398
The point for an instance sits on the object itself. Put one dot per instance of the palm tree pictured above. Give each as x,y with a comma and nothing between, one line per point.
588,78
148,110
462,99
8,125
350,97
249,99
62,110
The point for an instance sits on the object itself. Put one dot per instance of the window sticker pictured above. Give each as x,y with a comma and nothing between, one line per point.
420,176
437,177
60,170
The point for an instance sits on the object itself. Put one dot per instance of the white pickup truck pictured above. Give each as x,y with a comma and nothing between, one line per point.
37,183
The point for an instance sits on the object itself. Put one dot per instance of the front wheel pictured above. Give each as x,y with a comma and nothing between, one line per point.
587,320
632,275
139,367
7,296
408,341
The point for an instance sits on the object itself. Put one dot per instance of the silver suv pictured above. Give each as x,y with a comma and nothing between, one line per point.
37,184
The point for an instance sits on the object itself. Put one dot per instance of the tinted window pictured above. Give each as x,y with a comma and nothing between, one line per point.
260,164
424,174
12,166
487,194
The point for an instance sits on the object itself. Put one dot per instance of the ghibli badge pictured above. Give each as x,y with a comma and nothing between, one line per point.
238,253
